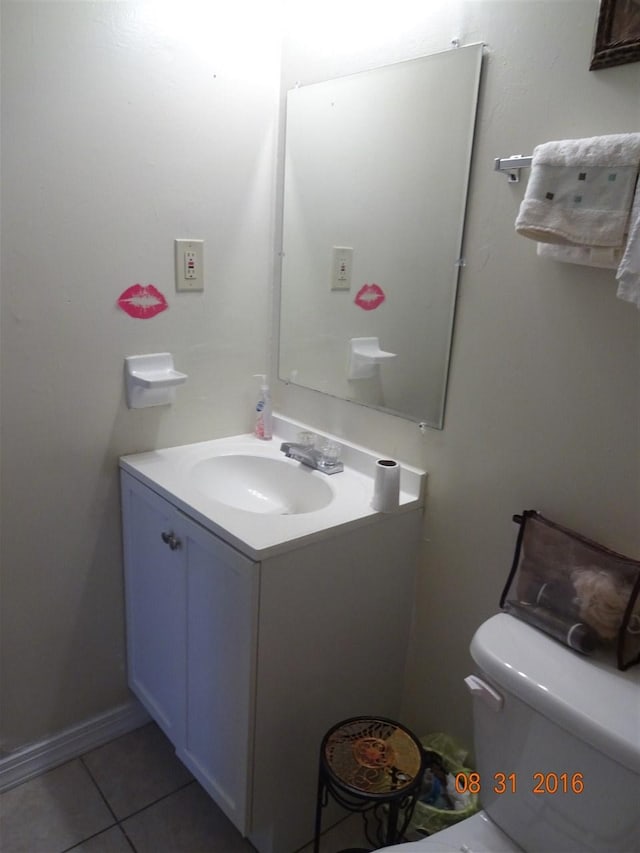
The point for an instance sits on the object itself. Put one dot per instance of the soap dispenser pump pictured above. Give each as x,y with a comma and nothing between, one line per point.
264,416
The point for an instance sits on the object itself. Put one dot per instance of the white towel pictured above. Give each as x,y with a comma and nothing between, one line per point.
580,191
628,274
587,256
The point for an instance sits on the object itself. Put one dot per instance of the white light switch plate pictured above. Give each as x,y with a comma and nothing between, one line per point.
189,265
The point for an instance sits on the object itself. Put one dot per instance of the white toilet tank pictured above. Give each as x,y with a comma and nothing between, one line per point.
558,747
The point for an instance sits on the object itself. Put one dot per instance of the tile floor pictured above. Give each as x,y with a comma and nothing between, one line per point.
131,794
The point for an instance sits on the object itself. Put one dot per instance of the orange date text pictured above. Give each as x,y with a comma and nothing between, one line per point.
509,783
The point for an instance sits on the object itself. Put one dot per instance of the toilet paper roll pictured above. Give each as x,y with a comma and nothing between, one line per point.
386,488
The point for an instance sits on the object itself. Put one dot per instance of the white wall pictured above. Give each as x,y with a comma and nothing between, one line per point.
116,139
124,126
544,389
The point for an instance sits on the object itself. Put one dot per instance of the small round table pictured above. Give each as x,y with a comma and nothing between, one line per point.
371,764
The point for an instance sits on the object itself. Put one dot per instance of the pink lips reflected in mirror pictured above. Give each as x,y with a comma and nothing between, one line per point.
369,297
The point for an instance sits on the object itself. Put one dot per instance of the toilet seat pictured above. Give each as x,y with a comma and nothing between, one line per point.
476,834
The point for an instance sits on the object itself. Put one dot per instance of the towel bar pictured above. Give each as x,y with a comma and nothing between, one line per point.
512,166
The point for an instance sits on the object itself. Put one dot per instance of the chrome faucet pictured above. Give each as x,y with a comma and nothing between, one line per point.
311,457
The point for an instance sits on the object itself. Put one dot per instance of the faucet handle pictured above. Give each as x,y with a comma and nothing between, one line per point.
329,454
306,438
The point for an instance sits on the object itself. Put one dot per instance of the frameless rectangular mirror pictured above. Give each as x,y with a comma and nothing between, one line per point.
375,185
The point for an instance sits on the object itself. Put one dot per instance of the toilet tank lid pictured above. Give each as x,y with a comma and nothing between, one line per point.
587,696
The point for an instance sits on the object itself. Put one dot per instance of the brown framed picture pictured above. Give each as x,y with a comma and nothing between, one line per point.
617,38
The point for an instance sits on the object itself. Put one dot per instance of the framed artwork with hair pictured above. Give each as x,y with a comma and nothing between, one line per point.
617,39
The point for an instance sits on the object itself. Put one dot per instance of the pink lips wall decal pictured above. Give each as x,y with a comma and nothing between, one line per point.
142,301
369,297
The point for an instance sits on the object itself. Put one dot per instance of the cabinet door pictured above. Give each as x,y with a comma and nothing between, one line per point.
221,636
155,585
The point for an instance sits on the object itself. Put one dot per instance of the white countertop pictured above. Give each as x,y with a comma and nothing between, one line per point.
168,472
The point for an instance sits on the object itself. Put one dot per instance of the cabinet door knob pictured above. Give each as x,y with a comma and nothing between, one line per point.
171,540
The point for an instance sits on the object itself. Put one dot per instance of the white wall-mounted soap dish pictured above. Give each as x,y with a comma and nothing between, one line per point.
364,357
151,380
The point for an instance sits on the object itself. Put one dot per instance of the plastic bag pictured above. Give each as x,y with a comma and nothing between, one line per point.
442,802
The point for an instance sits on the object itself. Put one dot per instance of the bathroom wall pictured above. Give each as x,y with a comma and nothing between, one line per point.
543,406
124,126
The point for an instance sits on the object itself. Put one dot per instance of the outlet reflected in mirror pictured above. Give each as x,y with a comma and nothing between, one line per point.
375,186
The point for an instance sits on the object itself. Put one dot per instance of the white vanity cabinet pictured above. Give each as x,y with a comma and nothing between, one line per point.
250,635
191,617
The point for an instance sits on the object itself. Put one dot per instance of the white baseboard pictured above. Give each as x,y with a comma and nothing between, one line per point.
38,757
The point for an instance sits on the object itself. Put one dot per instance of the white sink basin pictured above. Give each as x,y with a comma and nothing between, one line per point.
247,492
262,484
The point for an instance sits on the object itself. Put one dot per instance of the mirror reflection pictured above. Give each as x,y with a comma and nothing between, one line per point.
375,184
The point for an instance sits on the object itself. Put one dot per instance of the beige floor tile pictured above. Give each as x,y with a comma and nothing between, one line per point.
111,841
348,834
52,812
136,769
186,822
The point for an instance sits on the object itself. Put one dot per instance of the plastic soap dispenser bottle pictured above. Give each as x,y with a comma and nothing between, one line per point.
264,416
